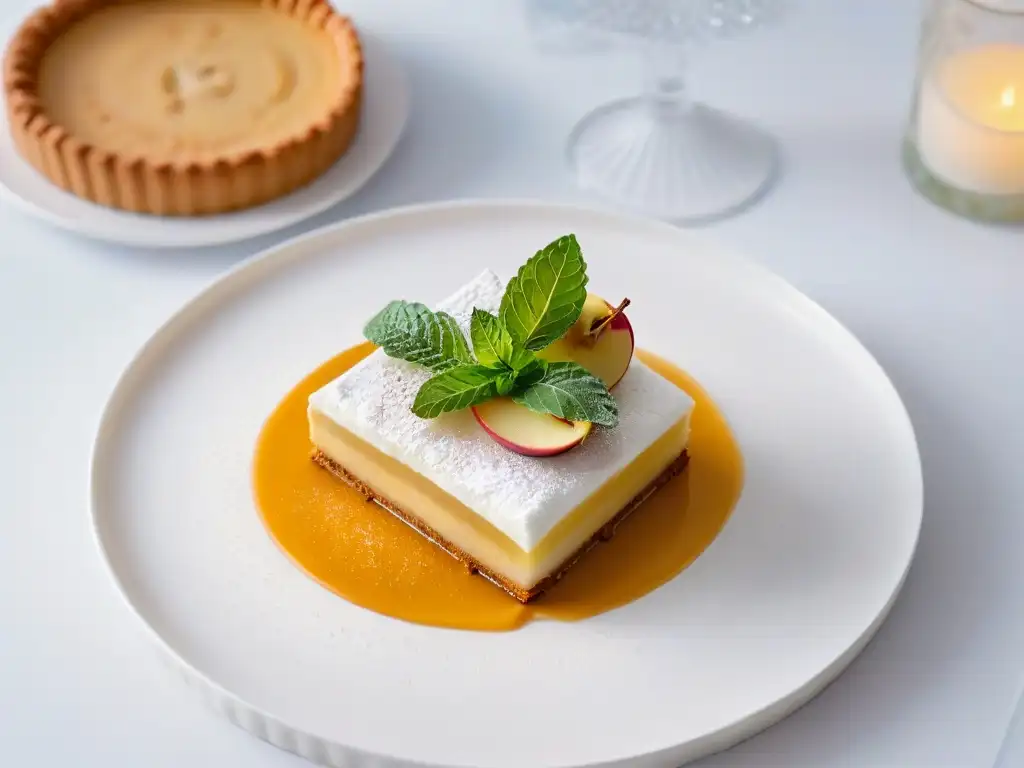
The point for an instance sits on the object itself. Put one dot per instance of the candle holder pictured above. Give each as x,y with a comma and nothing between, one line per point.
964,146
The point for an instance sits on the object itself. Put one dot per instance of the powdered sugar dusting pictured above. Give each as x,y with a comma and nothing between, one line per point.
523,497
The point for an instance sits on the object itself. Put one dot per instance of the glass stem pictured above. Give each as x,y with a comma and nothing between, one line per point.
666,79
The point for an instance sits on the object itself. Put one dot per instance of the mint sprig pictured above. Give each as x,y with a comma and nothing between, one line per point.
541,303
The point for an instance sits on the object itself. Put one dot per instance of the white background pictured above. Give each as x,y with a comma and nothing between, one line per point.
939,301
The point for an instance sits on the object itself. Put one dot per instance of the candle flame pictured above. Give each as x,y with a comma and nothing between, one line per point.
1009,97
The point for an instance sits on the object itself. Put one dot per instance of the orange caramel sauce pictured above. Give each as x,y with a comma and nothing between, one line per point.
357,550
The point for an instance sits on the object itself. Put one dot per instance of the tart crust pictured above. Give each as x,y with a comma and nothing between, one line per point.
604,533
195,188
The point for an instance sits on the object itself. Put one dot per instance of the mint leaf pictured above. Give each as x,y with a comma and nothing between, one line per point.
506,382
511,382
491,343
523,359
570,392
530,373
546,296
412,332
455,389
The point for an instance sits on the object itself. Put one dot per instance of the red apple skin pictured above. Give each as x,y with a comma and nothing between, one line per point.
620,324
526,450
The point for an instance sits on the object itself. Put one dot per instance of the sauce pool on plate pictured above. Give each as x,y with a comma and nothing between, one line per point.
362,553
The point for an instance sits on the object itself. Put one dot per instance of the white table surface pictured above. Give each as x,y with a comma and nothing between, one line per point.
940,302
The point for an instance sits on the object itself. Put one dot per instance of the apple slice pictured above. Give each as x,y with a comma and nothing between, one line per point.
601,341
519,429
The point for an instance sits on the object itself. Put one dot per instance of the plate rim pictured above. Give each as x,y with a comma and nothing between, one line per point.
401,96
324,750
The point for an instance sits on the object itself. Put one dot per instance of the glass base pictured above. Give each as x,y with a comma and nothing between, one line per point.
688,164
971,205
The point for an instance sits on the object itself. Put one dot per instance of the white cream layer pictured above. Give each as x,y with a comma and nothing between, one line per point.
522,497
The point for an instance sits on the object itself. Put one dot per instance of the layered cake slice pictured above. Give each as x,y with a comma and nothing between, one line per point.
508,476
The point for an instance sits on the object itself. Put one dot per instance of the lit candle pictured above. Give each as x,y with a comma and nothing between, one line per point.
971,120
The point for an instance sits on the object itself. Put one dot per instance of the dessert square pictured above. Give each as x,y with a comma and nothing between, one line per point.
519,520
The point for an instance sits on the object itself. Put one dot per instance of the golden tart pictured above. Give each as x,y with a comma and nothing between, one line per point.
183,107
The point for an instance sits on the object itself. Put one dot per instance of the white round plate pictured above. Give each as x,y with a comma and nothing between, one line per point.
802,576
385,112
